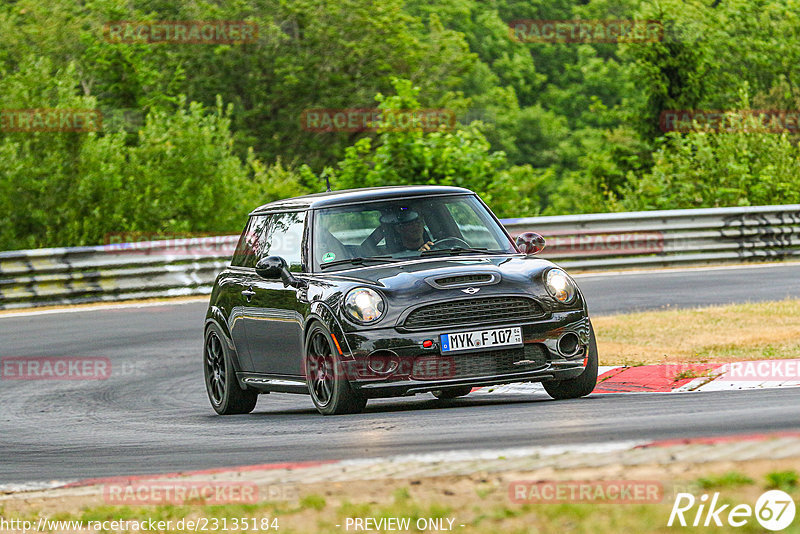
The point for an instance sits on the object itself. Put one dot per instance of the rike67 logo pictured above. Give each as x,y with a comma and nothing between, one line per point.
774,510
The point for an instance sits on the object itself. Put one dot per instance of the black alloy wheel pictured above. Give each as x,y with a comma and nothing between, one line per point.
226,395
326,375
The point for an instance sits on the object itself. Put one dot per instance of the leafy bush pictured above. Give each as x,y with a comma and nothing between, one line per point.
703,169
178,173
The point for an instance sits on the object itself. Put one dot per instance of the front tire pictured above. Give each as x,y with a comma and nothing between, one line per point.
226,395
584,383
326,375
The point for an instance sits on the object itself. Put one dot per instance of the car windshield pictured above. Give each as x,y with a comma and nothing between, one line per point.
405,229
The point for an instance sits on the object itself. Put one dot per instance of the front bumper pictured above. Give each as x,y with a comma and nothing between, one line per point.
408,367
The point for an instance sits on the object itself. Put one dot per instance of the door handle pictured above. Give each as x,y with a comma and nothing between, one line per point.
249,293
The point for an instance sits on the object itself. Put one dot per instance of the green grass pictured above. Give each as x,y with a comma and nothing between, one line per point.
782,480
493,513
314,502
752,331
730,479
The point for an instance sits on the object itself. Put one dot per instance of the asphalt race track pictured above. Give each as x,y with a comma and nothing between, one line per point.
152,415
688,288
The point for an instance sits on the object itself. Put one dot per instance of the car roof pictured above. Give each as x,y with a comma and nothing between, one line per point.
354,196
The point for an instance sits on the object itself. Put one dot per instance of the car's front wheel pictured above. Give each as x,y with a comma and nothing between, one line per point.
226,395
584,383
326,375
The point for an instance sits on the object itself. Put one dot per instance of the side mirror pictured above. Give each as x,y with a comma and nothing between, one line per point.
274,268
270,268
530,243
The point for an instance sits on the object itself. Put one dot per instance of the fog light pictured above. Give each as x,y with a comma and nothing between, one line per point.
427,343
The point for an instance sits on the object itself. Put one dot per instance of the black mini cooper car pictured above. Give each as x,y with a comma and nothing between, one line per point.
390,291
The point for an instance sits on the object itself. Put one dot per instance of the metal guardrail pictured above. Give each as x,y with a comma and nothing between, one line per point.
667,238
148,269
577,242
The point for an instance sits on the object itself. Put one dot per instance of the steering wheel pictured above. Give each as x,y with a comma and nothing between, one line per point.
457,241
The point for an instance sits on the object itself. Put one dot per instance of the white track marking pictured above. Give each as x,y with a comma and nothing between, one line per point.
493,454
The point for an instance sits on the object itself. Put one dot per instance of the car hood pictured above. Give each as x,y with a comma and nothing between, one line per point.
406,285
394,276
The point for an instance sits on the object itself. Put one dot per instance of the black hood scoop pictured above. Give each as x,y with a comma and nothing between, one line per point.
451,281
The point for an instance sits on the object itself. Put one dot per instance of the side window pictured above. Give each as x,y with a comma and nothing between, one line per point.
246,251
283,237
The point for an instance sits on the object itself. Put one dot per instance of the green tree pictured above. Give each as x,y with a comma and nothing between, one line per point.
461,157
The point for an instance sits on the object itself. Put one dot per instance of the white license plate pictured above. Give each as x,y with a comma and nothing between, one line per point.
481,339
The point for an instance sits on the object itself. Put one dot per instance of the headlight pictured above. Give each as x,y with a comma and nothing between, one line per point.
364,305
560,285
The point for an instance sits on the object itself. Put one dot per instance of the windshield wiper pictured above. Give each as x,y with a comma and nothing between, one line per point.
360,261
460,250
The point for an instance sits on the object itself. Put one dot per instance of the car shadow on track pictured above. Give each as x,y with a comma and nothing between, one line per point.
406,404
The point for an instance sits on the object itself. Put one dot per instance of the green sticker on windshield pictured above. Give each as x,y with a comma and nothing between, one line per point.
328,256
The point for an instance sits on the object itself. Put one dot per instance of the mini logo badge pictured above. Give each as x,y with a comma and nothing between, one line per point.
471,290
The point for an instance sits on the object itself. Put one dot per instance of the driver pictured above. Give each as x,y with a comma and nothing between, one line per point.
410,229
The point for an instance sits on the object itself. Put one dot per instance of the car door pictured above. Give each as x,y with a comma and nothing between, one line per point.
274,320
236,287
